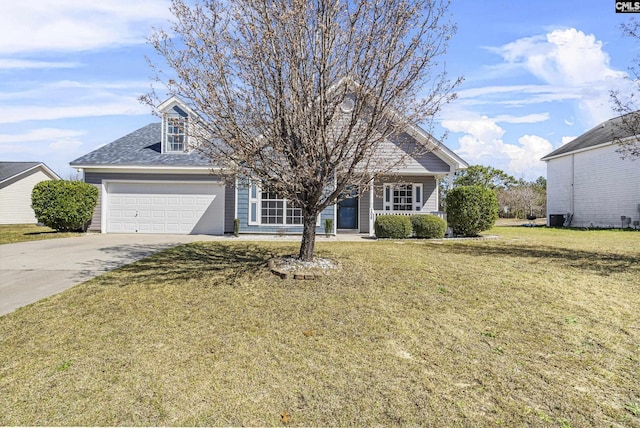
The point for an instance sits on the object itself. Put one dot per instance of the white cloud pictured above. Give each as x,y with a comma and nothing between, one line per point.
483,144
77,25
65,145
13,64
103,107
572,64
516,95
40,134
562,57
524,159
528,118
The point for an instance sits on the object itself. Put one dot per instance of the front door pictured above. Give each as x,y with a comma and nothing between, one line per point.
348,214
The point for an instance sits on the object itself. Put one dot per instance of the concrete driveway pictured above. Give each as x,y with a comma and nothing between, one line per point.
30,271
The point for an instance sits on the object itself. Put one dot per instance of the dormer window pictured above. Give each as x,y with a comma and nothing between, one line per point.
176,135
177,117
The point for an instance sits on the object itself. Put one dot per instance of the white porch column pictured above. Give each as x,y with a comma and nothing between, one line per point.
335,210
371,212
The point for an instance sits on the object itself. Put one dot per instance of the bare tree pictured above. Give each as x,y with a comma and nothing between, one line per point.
627,128
300,96
522,198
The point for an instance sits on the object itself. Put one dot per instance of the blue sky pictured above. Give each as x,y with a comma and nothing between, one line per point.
536,75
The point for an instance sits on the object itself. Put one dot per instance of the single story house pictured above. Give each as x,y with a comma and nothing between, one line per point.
152,181
589,184
17,180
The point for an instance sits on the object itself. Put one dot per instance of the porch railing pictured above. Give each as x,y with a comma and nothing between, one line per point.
376,213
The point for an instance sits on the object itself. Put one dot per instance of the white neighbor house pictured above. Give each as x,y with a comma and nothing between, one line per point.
16,184
590,183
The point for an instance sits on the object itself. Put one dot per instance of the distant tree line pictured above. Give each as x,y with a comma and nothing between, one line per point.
517,198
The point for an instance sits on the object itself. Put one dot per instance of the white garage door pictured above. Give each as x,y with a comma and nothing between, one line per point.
182,208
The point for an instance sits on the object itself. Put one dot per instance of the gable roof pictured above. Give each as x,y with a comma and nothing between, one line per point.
143,147
606,132
140,148
9,170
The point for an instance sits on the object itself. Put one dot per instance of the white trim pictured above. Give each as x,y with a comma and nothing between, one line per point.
258,202
105,193
172,101
103,206
572,152
371,208
414,191
46,169
165,135
254,200
155,169
235,203
439,149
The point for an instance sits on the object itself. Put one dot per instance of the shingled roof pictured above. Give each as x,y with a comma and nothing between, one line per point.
609,131
140,148
11,169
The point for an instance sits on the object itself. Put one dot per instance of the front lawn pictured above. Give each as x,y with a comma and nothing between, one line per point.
11,233
538,328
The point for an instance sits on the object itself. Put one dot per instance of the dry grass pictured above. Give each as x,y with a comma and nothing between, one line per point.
539,328
11,233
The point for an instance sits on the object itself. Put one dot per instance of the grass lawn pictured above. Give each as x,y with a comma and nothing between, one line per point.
11,233
538,328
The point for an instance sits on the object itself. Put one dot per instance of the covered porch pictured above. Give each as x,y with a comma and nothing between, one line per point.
394,194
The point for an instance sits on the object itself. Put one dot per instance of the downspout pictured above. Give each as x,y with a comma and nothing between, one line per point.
371,211
573,173
335,210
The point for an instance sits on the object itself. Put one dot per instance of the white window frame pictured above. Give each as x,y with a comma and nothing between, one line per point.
416,197
254,214
166,134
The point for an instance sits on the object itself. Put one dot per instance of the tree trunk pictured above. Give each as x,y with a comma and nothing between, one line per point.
308,243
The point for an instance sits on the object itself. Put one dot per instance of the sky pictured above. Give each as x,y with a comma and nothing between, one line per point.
536,75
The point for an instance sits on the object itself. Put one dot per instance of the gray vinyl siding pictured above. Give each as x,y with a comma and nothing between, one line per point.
363,211
420,161
96,179
96,219
229,207
245,227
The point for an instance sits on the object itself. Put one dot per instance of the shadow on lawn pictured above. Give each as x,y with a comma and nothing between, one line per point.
596,262
197,261
45,232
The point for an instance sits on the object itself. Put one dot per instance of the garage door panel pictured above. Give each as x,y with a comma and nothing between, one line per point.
143,214
138,207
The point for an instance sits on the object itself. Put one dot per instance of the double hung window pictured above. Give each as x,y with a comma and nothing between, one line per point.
175,134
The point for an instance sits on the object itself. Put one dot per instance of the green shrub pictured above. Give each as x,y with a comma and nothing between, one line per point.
471,209
236,227
428,226
328,227
64,205
393,226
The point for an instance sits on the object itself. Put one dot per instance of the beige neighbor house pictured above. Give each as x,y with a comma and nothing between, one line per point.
17,180
153,181
589,184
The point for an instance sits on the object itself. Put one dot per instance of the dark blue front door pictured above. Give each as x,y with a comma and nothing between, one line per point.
348,214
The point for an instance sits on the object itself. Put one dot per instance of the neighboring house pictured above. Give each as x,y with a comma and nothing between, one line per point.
16,184
152,181
590,184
